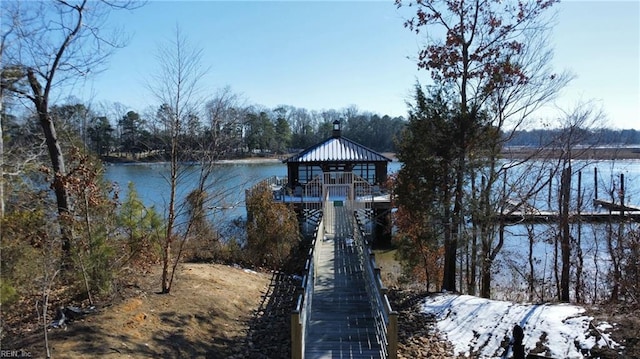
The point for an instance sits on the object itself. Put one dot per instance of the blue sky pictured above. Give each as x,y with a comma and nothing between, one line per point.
333,54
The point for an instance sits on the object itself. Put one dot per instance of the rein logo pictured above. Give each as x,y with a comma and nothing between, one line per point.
19,353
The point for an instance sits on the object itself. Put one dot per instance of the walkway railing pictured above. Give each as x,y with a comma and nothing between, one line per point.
386,318
302,312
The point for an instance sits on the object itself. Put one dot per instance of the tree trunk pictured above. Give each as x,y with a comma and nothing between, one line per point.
579,256
556,272
1,165
485,271
471,274
614,260
167,274
448,276
474,263
565,247
488,256
425,263
62,197
57,163
451,247
531,236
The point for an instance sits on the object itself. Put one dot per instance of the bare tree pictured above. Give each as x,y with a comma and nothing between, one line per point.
224,118
49,45
177,86
493,54
577,125
7,77
221,137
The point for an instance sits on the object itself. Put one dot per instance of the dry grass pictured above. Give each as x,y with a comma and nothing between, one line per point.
390,268
205,316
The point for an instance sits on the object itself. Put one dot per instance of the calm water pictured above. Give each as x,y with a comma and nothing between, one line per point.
228,183
511,267
231,180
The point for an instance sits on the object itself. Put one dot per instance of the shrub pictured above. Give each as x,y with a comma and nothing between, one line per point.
142,228
272,228
8,294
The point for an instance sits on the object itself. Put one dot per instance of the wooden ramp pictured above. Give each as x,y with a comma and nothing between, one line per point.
341,324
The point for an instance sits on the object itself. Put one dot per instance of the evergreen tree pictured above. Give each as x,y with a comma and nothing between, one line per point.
101,135
424,184
283,135
130,128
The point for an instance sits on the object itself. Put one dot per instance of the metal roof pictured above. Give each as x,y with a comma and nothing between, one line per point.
337,149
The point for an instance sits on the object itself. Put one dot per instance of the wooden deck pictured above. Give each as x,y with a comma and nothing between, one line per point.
341,324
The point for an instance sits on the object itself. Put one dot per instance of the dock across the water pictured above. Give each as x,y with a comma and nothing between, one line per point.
617,207
612,212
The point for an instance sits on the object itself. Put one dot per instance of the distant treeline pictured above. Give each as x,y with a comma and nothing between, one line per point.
235,130
113,133
601,137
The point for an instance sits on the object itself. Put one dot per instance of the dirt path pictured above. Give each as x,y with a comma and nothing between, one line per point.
206,316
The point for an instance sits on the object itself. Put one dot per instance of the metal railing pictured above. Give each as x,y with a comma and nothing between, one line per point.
386,319
302,311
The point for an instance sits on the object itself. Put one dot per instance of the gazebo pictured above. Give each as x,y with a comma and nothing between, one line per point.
339,172
336,154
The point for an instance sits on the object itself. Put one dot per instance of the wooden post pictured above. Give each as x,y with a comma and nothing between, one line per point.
622,194
518,347
595,181
579,200
550,183
296,336
392,335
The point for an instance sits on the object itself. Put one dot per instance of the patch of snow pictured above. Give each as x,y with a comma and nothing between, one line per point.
482,328
605,340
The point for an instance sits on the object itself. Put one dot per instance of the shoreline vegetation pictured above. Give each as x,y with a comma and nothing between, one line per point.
519,152
586,153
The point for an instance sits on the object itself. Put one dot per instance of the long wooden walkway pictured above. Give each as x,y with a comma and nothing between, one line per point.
341,324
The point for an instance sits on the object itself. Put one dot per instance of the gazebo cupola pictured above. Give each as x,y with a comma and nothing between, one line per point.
336,129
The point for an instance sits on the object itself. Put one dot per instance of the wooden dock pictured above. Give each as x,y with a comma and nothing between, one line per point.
515,212
341,324
551,217
615,207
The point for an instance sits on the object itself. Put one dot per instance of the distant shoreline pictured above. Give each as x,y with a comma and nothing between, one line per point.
120,160
520,152
252,160
595,153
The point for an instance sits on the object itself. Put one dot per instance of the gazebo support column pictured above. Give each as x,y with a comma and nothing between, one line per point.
381,228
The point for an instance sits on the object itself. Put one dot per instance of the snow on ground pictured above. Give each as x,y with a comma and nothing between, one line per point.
482,328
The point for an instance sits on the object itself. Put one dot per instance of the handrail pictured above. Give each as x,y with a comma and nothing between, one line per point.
301,313
275,180
386,318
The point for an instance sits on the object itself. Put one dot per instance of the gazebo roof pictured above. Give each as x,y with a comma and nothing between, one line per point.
337,149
